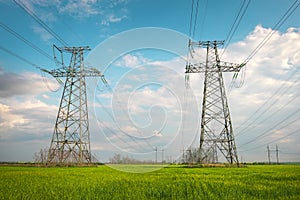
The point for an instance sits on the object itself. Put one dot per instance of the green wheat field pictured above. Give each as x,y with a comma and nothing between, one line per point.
171,182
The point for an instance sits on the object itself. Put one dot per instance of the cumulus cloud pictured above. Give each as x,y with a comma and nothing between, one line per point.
21,111
27,114
113,18
82,8
105,12
131,61
157,133
28,83
271,88
109,11
45,36
8,119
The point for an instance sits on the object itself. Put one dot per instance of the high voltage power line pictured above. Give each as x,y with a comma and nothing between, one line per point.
272,141
34,65
240,15
136,140
236,24
269,117
195,20
264,134
19,57
191,18
267,101
24,40
286,15
232,31
133,138
30,44
40,22
204,17
33,46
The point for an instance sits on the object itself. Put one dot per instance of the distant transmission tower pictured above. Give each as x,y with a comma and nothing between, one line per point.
71,138
216,127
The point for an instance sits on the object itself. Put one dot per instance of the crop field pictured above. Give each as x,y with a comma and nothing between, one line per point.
172,182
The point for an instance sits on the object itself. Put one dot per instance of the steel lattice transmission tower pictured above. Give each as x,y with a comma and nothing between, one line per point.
216,127
71,138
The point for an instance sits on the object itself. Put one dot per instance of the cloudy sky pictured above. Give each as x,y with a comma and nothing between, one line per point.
141,47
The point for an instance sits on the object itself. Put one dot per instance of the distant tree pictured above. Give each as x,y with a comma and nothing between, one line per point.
94,159
40,157
116,159
193,155
119,159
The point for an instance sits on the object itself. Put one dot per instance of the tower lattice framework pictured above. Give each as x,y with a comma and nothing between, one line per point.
216,126
71,138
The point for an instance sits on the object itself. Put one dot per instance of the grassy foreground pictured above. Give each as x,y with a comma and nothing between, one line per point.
102,182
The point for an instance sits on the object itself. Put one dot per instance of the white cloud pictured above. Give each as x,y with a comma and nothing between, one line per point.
109,11
27,4
21,112
8,119
112,18
81,9
273,76
27,116
130,61
45,36
28,83
76,8
157,133
45,96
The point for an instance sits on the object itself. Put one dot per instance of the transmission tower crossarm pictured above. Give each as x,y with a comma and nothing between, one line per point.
69,72
230,67
206,43
91,72
216,67
72,49
87,72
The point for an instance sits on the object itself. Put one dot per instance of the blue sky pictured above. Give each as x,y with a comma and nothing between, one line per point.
145,68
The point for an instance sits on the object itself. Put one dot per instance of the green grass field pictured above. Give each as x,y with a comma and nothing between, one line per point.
102,182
